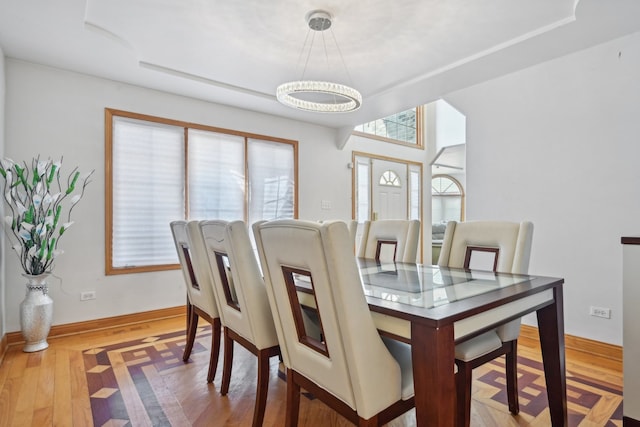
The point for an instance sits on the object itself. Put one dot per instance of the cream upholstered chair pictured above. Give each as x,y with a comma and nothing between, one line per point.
201,302
366,378
504,247
390,240
352,226
244,308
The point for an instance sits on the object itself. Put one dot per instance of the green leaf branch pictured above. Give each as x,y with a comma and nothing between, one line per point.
36,199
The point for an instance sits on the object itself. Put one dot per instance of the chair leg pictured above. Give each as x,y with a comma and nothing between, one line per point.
511,362
463,394
189,309
227,363
262,387
215,349
191,334
293,401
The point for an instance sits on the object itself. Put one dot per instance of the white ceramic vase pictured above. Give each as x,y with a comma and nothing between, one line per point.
36,313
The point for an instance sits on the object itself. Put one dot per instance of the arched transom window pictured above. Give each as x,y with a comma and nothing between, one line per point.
390,179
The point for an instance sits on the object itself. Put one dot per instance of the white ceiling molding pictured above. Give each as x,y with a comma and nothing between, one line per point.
200,79
399,54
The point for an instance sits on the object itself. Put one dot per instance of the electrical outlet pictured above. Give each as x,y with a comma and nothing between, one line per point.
87,295
600,312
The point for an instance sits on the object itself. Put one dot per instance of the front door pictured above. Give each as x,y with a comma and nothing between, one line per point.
390,189
386,188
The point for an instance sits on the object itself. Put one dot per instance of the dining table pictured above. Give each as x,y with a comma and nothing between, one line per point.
434,308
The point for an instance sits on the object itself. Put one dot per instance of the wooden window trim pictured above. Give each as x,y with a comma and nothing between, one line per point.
110,113
419,132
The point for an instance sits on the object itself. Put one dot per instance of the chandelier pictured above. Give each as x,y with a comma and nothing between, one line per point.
314,95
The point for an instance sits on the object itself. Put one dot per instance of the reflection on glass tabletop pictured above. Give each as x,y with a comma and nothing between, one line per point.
427,285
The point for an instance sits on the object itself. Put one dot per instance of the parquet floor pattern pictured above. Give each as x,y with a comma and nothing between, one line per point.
134,376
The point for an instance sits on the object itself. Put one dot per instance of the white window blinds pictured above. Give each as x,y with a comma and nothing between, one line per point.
216,176
228,175
271,180
148,191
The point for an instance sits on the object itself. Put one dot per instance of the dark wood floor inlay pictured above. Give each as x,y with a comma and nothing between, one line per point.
137,383
127,362
583,393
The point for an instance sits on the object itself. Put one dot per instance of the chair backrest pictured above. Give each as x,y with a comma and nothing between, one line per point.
194,268
352,226
390,240
350,361
506,245
239,286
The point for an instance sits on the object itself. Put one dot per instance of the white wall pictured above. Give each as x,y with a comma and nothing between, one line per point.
2,246
53,112
450,125
555,144
558,144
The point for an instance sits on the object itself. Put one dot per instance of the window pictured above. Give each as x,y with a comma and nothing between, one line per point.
447,199
161,170
363,190
404,127
390,179
415,199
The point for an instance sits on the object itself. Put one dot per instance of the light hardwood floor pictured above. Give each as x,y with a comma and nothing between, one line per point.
50,387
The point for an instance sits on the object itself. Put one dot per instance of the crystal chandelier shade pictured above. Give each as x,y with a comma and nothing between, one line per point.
319,96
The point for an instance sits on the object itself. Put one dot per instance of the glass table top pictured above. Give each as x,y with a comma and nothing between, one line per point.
428,286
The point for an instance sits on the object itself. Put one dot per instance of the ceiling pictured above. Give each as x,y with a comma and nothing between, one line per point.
450,160
398,54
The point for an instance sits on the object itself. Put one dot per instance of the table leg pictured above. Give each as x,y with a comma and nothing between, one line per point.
433,354
551,330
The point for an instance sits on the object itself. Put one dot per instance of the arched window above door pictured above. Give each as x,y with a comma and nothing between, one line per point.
390,179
